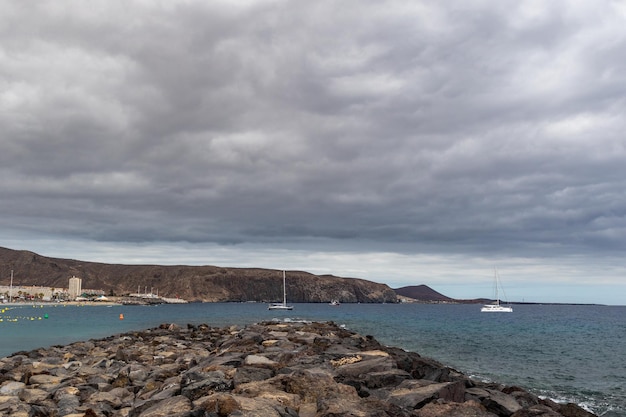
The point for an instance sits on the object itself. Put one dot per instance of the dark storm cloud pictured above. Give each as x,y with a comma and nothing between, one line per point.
404,125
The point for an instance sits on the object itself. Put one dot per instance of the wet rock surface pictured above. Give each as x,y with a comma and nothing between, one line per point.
270,369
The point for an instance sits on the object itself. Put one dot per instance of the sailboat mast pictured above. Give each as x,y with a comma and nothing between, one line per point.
497,297
495,271
284,289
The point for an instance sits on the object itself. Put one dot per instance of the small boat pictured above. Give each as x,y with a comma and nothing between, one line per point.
283,305
334,303
496,307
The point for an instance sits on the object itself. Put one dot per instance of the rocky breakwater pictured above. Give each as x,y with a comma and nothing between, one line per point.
271,369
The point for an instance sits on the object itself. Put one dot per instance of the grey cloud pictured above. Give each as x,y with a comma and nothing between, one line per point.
453,127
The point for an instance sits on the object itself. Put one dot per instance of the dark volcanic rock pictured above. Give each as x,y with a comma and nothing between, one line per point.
269,369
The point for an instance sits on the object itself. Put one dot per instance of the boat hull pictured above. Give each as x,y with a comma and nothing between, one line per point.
494,308
279,307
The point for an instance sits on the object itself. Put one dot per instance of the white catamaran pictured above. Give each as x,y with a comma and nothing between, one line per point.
496,307
283,305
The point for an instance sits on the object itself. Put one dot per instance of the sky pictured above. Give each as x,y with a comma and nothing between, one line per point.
404,142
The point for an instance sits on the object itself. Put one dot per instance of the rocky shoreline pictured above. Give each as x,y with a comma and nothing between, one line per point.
270,369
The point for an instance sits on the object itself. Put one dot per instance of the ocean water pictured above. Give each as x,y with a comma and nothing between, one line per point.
567,353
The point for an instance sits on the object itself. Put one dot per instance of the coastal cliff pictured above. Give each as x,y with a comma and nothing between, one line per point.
192,283
270,369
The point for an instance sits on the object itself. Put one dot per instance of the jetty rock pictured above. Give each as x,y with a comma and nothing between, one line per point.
268,369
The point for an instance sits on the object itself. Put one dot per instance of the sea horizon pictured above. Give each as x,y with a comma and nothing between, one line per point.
547,349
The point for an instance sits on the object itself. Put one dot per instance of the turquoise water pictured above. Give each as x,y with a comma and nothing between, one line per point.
567,353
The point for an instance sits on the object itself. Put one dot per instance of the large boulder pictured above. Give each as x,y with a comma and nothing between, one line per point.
445,409
169,407
495,401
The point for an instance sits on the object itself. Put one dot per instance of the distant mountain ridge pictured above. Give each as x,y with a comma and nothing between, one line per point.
192,283
422,293
425,294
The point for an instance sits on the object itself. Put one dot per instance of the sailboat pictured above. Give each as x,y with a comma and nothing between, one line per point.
283,305
496,307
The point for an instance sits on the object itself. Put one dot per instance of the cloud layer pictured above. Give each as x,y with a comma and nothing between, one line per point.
403,128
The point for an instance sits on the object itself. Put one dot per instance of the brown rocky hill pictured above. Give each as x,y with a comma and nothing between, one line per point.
422,293
426,294
192,283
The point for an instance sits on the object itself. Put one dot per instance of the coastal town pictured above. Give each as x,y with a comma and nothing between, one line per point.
74,292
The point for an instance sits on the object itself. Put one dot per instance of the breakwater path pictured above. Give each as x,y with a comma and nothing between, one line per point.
270,369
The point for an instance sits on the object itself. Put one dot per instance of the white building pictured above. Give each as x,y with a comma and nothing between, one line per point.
75,287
